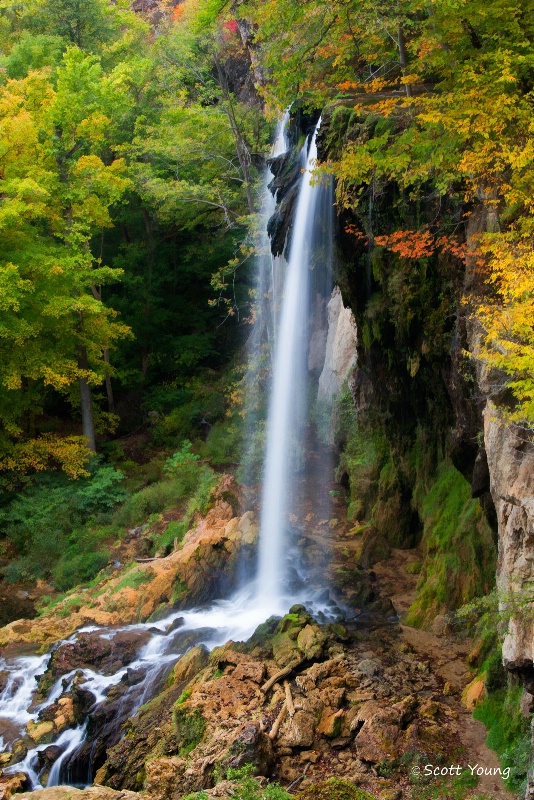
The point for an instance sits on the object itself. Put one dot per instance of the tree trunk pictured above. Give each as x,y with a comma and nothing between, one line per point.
403,58
242,152
88,423
109,388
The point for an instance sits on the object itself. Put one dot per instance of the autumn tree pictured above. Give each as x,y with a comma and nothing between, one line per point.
57,191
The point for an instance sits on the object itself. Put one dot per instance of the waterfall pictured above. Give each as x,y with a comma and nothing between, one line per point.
286,423
261,340
292,296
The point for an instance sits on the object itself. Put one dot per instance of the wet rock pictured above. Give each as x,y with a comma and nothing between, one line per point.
340,350
49,755
92,650
12,784
133,677
9,731
40,731
191,663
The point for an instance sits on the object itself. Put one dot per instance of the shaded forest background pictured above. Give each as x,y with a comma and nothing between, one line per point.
133,142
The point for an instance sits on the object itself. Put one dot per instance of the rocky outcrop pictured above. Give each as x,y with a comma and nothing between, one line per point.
204,566
340,350
300,702
511,467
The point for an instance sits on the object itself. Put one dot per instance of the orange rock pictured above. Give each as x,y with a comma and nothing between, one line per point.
474,693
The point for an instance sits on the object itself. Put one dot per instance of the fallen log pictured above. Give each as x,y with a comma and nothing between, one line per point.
273,733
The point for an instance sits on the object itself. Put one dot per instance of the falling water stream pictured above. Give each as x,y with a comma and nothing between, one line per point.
281,579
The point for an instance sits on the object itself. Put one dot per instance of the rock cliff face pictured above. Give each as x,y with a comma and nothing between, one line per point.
340,350
511,469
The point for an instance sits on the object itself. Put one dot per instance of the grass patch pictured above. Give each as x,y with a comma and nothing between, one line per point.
134,579
334,789
245,787
508,733
70,606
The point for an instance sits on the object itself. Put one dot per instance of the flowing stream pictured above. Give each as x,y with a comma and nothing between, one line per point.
111,695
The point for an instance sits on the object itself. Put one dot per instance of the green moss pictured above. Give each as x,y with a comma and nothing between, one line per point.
334,789
189,726
508,733
186,694
459,561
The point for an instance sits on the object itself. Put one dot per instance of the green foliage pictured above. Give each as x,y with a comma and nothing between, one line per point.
183,462
134,578
508,733
34,51
151,500
204,480
115,166
56,526
223,444
186,694
246,788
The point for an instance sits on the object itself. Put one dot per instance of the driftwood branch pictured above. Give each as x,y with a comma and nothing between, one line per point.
300,778
278,721
146,560
289,699
276,677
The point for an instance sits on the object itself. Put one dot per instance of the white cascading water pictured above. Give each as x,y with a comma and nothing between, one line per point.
233,619
288,388
260,342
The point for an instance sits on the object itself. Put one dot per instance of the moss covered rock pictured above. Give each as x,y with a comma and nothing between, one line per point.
334,789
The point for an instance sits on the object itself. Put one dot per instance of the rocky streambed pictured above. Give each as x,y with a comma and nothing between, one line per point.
361,698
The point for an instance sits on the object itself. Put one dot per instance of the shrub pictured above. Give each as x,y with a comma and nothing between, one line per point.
182,463
205,481
56,526
152,499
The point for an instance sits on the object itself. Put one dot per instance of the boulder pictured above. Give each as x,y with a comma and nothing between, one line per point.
191,663
474,693
298,731
250,746
379,737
